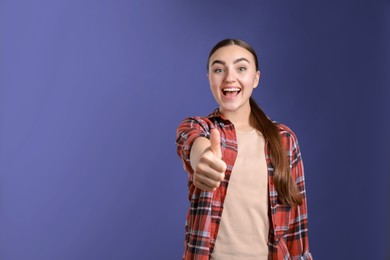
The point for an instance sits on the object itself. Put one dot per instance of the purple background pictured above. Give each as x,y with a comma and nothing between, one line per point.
91,93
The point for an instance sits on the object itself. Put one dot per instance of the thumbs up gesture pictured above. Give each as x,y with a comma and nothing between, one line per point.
209,168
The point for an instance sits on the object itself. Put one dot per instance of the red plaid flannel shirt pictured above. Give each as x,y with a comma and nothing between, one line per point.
288,236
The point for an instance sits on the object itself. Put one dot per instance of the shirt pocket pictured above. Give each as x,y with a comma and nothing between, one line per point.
281,219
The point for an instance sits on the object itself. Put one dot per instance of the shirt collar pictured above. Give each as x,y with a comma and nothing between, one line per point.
218,114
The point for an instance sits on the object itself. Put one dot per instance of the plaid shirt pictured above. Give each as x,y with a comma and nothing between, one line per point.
288,236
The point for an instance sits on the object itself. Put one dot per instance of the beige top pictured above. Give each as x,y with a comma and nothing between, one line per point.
243,231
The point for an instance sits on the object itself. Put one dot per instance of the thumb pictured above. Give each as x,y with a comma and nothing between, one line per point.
215,140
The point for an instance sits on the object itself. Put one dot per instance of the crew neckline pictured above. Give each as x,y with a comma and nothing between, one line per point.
246,132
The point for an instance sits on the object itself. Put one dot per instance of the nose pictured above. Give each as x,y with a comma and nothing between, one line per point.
230,77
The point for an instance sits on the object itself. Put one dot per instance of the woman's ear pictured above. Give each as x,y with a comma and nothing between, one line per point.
257,79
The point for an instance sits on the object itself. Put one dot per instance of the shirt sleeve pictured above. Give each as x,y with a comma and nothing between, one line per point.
187,132
297,235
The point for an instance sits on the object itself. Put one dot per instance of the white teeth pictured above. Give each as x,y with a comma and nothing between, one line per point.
231,89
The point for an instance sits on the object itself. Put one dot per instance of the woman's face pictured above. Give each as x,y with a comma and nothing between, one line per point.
232,76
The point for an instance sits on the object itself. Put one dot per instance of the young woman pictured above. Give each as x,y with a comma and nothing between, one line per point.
245,173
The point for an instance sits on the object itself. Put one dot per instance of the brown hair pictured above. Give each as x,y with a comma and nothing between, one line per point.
285,186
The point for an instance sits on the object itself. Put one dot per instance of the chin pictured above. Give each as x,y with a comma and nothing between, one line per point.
229,108
233,106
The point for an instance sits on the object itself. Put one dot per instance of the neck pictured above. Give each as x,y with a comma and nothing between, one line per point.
240,119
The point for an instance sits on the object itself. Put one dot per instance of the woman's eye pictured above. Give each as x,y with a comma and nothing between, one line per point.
242,68
218,70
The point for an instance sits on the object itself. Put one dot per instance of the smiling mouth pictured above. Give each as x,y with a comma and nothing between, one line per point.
231,92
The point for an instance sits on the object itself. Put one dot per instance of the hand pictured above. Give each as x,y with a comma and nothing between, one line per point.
210,169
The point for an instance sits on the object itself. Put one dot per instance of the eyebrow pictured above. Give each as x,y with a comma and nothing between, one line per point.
234,62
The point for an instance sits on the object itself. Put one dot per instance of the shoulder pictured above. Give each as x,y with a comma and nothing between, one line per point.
196,122
204,122
192,127
287,134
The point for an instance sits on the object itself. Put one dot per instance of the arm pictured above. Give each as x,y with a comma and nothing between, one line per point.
298,241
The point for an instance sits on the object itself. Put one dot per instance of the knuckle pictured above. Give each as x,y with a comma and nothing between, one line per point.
204,160
201,168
